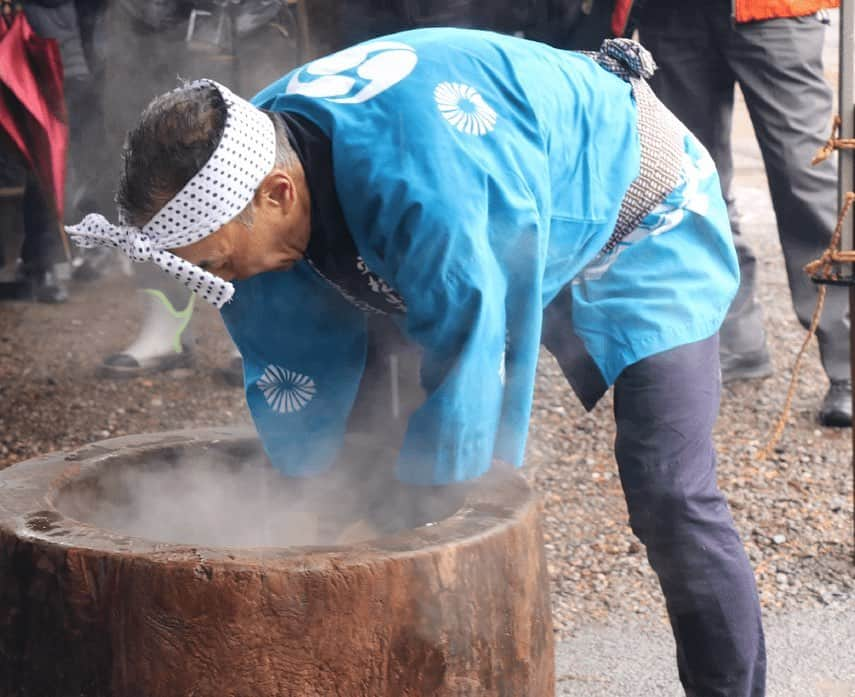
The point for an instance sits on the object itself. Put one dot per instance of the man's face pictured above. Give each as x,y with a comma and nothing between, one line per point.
275,241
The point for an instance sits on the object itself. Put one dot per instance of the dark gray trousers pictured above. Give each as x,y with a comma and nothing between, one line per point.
701,54
665,408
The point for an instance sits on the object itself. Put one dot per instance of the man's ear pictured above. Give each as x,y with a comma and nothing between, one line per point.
277,191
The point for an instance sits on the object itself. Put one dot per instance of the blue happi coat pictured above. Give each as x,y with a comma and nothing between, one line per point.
478,175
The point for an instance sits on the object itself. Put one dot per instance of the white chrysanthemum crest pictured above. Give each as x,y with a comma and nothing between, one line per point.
464,108
285,390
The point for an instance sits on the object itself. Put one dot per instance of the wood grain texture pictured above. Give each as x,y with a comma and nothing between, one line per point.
457,609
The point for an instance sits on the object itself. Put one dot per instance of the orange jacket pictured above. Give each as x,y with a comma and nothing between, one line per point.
752,10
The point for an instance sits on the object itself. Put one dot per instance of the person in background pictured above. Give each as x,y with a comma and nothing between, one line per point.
41,248
580,25
773,50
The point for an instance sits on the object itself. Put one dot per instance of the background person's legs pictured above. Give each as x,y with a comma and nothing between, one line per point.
665,409
364,19
41,248
141,64
778,64
695,81
164,340
58,21
83,96
583,31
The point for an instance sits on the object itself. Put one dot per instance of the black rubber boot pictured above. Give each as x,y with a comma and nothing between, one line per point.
836,409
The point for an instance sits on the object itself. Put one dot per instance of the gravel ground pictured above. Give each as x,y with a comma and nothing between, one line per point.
50,398
794,511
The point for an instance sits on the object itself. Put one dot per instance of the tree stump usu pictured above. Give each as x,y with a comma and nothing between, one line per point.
457,608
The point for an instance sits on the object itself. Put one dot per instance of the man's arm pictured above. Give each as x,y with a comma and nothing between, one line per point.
303,349
455,293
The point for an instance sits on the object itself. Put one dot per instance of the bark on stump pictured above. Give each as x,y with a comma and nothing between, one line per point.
456,609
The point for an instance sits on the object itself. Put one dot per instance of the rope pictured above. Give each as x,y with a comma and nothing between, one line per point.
833,143
824,268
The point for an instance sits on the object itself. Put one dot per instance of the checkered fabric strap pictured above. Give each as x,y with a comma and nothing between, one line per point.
660,134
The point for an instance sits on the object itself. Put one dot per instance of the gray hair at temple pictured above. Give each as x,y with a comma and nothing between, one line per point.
176,135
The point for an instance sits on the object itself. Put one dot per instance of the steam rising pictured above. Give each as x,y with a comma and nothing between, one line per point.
211,501
198,504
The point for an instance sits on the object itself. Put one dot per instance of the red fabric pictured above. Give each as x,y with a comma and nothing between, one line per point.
32,103
620,16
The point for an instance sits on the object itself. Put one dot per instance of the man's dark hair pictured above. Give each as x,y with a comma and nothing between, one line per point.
176,135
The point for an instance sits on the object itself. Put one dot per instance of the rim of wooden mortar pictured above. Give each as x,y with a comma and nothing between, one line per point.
29,489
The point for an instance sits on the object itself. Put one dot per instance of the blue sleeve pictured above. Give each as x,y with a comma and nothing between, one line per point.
455,295
303,349
450,223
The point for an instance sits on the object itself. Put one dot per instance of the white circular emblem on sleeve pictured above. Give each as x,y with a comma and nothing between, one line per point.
285,390
464,108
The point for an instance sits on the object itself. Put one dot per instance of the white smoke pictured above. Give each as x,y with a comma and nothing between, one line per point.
211,501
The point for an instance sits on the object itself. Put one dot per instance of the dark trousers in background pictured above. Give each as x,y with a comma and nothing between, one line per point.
665,408
87,185
701,54
41,247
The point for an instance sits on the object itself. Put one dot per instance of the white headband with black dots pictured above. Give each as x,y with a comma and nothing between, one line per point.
215,195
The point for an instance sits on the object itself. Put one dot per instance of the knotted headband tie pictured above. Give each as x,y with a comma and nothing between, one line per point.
96,231
219,191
